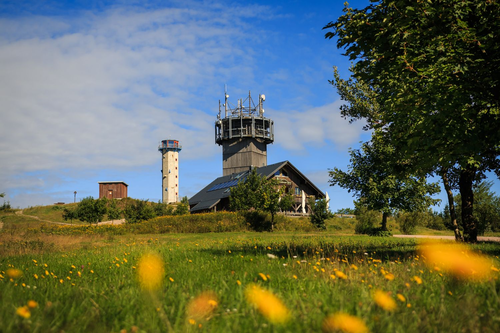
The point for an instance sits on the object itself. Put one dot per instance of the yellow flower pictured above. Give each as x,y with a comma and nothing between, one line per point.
401,297
14,273
150,272
417,279
457,260
23,311
354,267
267,304
389,276
202,306
263,277
32,304
344,323
341,275
385,301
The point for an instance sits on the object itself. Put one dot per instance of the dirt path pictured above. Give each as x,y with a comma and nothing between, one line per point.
479,238
20,212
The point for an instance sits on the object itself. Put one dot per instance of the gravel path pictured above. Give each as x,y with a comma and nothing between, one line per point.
479,238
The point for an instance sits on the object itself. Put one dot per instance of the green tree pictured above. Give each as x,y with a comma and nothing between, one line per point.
257,193
247,194
91,210
114,212
271,195
163,209
286,202
320,213
70,214
138,211
434,67
372,178
346,211
182,207
487,208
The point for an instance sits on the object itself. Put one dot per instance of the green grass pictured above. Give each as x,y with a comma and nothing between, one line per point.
107,297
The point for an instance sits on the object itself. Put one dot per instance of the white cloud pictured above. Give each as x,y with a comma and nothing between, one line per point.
315,127
100,91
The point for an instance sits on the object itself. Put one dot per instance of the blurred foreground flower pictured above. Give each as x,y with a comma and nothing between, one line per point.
23,311
32,304
456,260
151,271
202,306
14,273
385,301
344,323
267,303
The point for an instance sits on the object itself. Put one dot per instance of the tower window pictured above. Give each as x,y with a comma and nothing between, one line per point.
297,191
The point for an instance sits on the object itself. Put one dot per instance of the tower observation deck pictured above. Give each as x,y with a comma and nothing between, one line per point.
244,133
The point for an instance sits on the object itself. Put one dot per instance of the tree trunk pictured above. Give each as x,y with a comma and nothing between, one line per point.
384,221
466,180
451,205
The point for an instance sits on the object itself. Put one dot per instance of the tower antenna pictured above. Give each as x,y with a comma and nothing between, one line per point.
244,134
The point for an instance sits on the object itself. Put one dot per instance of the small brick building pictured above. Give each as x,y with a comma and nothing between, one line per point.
113,190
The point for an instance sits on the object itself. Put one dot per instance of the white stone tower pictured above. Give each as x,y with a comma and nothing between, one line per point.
170,170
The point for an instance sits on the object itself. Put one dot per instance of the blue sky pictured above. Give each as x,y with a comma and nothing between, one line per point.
89,89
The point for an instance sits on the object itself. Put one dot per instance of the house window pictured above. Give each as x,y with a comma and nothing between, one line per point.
297,191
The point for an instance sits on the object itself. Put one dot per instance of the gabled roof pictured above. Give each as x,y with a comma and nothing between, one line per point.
219,189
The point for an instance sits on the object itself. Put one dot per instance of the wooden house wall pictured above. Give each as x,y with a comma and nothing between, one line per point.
113,190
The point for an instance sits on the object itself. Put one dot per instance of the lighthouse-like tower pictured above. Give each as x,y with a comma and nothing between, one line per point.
170,170
244,133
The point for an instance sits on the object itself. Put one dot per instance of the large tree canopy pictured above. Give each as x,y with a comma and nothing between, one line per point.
435,68
373,180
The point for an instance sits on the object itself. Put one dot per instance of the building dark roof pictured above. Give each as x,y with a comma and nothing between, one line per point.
219,189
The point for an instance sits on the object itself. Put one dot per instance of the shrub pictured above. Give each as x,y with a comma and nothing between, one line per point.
366,221
319,213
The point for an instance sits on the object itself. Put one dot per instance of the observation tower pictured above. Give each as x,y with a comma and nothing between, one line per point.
244,133
170,170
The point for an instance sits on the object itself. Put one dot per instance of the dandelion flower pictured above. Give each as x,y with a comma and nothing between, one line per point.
389,276
344,323
150,272
385,301
14,273
267,304
417,279
202,306
32,304
401,297
341,275
457,260
263,277
23,311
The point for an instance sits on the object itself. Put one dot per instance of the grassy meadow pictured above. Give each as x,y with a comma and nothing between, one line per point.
286,281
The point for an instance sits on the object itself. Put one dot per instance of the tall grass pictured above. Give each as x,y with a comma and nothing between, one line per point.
95,288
